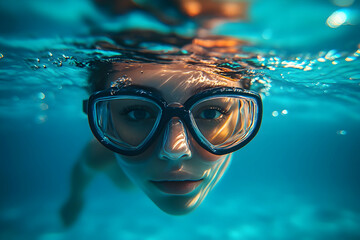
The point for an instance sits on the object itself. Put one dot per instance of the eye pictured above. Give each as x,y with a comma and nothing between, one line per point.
138,114
210,114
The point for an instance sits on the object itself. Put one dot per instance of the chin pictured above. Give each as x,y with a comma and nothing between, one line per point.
176,210
178,205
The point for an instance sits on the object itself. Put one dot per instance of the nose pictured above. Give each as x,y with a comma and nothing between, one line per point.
175,144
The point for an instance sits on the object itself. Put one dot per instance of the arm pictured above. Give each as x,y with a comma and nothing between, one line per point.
94,159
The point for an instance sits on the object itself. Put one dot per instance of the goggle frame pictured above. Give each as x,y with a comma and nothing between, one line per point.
167,113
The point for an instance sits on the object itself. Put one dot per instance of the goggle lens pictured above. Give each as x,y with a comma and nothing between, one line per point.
224,121
127,121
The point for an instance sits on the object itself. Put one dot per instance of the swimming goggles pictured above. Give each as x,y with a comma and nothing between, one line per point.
127,120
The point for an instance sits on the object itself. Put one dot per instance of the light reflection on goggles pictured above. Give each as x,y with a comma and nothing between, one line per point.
127,120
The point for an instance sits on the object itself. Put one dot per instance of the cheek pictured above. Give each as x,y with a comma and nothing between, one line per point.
142,158
137,170
203,154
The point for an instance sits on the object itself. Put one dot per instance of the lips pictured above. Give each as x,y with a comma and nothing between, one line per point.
179,187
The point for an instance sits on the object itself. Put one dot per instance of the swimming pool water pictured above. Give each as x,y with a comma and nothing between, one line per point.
298,179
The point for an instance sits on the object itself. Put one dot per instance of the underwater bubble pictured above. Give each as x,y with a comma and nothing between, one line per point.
41,95
343,3
355,77
44,106
275,113
284,112
58,63
332,55
357,53
337,18
34,67
350,59
341,132
42,118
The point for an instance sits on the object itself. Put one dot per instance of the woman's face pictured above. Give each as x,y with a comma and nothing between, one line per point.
175,172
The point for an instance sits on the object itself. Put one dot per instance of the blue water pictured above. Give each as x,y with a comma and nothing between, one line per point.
298,179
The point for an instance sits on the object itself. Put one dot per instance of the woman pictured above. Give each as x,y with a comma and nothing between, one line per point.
168,127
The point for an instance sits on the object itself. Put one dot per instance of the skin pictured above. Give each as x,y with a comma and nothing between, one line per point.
173,160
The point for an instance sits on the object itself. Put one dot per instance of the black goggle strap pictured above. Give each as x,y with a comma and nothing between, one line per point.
85,106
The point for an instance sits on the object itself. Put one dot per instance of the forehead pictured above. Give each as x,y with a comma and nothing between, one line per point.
176,82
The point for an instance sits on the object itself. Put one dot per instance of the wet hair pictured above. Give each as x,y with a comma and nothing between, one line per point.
98,76
216,55
101,70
